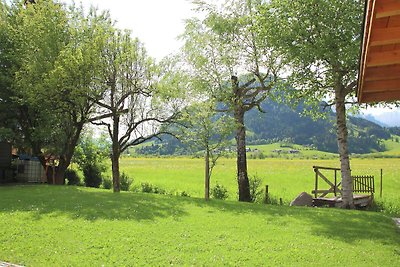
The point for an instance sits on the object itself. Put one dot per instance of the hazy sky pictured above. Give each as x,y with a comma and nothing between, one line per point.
157,23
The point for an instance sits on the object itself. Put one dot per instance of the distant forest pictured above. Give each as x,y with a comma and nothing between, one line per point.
281,122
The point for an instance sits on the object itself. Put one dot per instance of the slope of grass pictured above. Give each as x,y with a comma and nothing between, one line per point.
71,226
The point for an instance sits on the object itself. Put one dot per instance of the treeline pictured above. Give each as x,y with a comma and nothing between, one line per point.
282,122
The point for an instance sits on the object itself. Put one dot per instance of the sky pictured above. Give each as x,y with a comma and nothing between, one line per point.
156,23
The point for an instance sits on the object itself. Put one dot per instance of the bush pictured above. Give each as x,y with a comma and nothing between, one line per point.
72,177
92,175
256,191
147,188
125,182
107,183
184,194
219,192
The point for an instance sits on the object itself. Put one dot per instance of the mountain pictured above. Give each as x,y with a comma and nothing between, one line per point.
282,123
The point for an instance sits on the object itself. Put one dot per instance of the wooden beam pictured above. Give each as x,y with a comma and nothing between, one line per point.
382,73
385,36
383,58
382,85
387,9
379,96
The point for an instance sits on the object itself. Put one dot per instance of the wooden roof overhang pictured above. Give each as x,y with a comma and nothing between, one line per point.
379,76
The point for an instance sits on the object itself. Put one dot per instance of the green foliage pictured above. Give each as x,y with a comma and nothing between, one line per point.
219,192
150,188
206,233
72,176
92,175
107,183
256,191
125,181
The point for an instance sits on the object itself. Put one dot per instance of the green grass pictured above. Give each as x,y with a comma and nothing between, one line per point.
74,226
286,178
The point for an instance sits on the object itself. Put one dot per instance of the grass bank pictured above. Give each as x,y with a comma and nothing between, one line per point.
75,226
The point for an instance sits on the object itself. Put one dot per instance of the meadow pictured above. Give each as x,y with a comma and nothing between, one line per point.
44,225
286,178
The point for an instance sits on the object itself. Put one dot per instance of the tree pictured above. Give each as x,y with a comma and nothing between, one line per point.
36,34
232,64
132,105
209,132
320,40
56,55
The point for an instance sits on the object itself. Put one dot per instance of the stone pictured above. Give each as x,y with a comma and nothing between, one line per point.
304,199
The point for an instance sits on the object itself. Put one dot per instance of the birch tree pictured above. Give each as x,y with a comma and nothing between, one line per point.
320,40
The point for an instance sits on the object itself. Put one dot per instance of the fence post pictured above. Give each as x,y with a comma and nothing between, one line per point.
380,191
266,194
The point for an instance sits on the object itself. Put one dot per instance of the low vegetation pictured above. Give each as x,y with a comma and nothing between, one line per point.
75,226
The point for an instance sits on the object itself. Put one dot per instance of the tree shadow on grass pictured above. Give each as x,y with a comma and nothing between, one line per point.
88,204
344,225
93,204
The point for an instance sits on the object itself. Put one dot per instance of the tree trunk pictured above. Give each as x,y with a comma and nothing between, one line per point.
115,172
115,155
66,157
347,182
242,177
60,172
207,175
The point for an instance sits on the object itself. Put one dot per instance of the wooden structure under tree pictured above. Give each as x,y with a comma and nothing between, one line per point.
363,188
379,74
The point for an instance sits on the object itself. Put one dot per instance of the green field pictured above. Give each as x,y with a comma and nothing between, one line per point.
285,178
77,226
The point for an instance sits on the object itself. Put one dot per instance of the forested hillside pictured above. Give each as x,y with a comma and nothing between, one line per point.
281,122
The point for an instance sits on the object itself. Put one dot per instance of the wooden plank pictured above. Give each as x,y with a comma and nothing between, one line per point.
382,73
382,85
387,9
370,97
325,179
385,36
383,58
325,168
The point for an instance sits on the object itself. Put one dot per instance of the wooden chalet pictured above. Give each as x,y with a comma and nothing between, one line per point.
379,74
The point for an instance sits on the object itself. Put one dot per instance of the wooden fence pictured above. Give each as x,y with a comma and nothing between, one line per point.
361,184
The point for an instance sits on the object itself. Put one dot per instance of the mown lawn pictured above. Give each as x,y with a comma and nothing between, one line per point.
286,178
76,226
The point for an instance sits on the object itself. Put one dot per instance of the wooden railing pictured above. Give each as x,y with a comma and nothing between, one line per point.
364,184
334,185
361,184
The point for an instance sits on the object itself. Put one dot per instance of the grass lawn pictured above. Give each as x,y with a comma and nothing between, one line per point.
286,178
75,226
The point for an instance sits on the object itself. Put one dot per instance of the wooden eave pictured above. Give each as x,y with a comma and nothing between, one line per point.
379,74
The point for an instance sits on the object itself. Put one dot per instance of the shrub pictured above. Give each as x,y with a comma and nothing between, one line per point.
72,177
184,194
125,182
256,191
147,187
92,175
219,192
107,183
